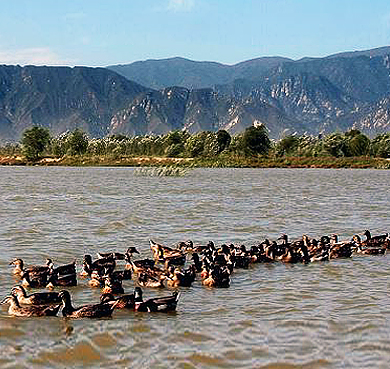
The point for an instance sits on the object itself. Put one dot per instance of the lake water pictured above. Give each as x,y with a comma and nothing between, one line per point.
321,315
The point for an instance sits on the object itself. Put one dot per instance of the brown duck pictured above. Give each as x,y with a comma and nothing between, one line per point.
26,311
85,311
38,298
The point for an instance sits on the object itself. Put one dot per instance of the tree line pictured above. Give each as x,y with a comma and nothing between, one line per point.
37,142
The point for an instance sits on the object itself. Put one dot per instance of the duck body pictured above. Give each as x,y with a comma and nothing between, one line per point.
85,311
183,278
34,280
113,286
38,298
159,304
64,269
146,279
372,245
69,280
33,270
217,277
102,266
111,255
121,302
375,240
138,266
29,311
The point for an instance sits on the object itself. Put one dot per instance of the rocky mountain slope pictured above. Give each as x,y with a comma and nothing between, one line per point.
310,95
61,99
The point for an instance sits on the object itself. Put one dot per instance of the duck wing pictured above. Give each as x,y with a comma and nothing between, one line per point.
65,269
92,311
42,298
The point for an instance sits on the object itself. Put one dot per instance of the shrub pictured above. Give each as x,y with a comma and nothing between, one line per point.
34,141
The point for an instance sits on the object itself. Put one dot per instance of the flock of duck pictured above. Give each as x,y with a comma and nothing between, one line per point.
214,265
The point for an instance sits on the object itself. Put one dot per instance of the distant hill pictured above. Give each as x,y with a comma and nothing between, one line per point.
311,95
61,98
191,74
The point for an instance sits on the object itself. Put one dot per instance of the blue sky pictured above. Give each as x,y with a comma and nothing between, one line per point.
106,32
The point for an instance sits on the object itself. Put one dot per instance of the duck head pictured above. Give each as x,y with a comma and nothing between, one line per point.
17,263
132,250
18,291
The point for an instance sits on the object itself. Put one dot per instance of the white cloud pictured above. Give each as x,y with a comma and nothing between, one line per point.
180,5
31,56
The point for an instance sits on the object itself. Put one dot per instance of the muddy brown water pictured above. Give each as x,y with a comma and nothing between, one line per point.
321,315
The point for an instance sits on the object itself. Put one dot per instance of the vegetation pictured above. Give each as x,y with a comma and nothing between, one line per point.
251,148
34,142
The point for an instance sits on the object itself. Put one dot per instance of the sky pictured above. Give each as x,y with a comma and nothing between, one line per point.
109,32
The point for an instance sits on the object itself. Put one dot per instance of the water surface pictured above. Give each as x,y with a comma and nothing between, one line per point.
324,315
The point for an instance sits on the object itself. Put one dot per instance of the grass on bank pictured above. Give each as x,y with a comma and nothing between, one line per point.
218,162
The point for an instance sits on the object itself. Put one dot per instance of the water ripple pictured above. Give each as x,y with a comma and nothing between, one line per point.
321,315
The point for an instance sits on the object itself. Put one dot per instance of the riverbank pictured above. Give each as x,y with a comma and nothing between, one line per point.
222,162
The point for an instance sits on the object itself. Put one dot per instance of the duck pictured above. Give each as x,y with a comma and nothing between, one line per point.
375,239
97,279
291,256
86,266
33,269
104,265
179,277
27,311
64,269
364,249
218,277
122,302
130,251
341,250
135,264
139,266
69,280
86,311
161,253
174,260
157,249
147,280
201,249
33,280
38,298
111,255
113,286
158,304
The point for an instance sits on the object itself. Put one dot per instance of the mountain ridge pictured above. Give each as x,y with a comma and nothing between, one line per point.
320,95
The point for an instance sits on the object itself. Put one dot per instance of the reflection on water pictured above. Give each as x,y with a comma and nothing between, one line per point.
324,315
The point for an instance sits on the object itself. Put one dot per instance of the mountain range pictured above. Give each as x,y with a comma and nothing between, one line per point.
310,95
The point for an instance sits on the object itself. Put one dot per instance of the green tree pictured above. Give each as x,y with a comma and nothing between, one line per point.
358,144
223,139
287,146
34,142
78,142
335,144
381,145
255,140
174,143
194,145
